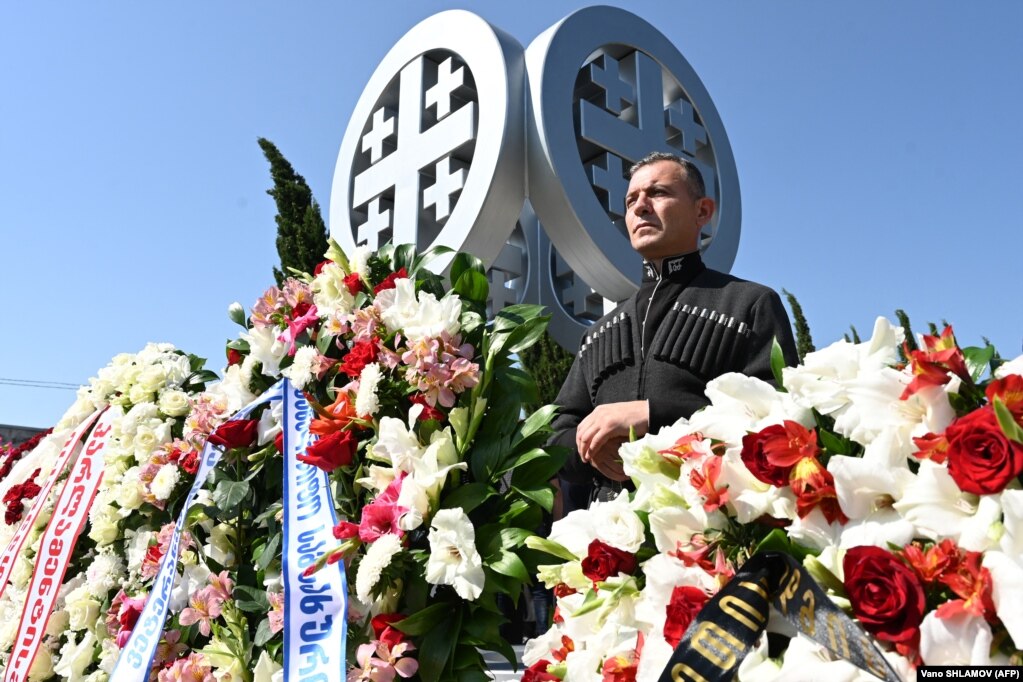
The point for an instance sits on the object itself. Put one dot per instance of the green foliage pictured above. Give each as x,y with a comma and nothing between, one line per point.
910,344
804,342
548,363
301,233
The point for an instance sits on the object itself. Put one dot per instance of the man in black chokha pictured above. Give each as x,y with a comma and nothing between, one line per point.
647,362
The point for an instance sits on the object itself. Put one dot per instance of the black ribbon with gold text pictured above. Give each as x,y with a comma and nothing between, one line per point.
727,628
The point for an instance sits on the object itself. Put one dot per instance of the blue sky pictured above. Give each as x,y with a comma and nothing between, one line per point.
878,149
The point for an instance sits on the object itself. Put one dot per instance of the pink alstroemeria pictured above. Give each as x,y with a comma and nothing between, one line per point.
298,325
379,663
276,612
203,607
193,668
221,585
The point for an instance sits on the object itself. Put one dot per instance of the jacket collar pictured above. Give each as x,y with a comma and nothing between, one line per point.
680,268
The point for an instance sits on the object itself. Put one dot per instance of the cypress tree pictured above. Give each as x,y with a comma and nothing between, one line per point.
301,232
548,363
804,343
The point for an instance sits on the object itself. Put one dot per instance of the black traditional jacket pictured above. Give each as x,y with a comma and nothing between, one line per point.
685,326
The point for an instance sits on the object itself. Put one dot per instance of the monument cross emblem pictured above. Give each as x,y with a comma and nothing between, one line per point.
437,149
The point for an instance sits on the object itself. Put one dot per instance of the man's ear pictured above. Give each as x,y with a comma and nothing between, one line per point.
704,210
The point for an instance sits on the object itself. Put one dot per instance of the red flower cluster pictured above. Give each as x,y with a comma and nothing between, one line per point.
945,565
362,354
16,496
383,631
388,282
331,452
936,362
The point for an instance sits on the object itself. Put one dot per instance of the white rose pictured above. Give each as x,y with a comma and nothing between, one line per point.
22,572
617,524
104,528
75,657
174,403
83,611
42,666
153,378
138,393
164,481
57,624
129,491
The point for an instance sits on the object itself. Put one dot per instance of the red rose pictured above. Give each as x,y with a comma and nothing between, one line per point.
354,283
330,452
686,602
358,357
388,282
234,357
190,462
603,561
754,456
981,459
538,672
240,433
886,595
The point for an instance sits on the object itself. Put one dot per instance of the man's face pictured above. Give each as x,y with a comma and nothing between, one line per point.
662,218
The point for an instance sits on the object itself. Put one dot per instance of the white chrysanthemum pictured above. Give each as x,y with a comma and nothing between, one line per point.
453,557
378,557
359,260
164,481
303,369
366,402
105,573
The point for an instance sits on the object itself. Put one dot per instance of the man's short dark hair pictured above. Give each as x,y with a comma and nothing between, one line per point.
694,178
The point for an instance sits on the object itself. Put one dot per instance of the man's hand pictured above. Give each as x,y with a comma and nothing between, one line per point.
599,435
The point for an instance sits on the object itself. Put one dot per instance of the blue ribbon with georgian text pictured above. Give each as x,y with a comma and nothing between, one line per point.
137,655
315,606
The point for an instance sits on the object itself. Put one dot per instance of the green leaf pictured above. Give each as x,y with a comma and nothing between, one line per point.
833,443
240,345
463,262
515,315
590,603
425,620
251,599
514,537
977,360
539,470
263,633
468,496
1010,428
509,564
473,286
535,453
323,342
438,645
425,258
269,552
778,541
550,547
777,362
537,421
229,494
542,496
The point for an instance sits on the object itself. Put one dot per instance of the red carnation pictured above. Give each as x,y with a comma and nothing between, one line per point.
239,433
686,602
388,282
358,357
886,595
330,452
981,460
603,561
